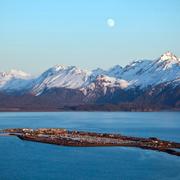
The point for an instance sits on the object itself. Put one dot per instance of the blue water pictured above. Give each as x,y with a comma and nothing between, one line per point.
23,160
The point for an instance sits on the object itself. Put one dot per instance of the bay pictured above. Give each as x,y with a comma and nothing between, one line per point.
29,160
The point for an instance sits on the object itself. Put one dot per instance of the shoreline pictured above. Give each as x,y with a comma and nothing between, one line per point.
55,110
63,137
5,135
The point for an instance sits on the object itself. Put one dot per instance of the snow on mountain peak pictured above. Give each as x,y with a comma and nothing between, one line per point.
61,76
112,82
167,61
103,82
168,56
142,73
106,81
18,73
61,68
151,72
14,80
13,73
58,67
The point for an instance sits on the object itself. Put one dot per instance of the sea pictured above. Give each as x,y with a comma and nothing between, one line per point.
24,160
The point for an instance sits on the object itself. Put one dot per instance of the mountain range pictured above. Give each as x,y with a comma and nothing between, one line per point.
142,85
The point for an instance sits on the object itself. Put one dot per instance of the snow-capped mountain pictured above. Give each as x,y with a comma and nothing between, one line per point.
104,82
14,80
60,76
140,73
145,73
12,74
141,81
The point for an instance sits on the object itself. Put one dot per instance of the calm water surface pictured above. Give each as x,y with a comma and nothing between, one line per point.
23,160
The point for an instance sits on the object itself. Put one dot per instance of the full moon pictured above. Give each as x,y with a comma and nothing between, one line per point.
111,22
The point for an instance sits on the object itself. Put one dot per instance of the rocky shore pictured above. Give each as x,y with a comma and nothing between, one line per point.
64,137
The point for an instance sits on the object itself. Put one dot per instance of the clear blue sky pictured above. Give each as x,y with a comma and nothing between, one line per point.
37,34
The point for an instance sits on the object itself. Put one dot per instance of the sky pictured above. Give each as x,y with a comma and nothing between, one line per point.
38,34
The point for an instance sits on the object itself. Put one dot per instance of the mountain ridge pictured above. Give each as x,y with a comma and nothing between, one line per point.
139,82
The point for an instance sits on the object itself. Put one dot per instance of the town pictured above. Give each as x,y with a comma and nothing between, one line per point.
61,136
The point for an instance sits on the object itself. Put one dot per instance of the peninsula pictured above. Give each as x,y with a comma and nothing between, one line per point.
64,137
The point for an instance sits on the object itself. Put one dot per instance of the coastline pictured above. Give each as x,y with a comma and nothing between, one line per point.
85,110
64,137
